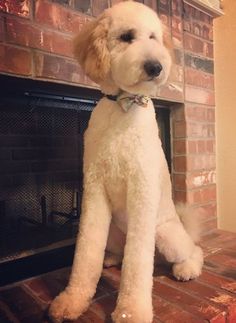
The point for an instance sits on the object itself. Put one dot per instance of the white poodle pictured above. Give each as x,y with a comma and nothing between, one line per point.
127,205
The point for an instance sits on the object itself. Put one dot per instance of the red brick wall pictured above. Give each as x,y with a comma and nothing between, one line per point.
35,39
194,122
35,42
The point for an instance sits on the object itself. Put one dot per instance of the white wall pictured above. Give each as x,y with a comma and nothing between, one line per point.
225,86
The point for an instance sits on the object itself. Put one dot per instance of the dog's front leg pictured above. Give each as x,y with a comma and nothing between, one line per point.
88,258
134,304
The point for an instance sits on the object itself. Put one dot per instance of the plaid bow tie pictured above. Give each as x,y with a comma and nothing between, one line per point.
126,101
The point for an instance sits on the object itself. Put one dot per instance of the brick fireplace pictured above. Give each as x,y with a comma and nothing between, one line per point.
35,44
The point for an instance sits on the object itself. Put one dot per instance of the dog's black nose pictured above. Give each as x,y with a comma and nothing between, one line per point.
152,68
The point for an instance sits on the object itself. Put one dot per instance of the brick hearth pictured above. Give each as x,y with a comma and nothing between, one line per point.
210,298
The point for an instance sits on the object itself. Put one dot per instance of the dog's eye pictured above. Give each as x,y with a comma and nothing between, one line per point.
152,36
127,37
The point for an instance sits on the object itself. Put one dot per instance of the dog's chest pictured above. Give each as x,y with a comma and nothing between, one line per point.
114,132
116,142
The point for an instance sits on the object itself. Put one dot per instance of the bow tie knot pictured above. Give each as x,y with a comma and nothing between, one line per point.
127,101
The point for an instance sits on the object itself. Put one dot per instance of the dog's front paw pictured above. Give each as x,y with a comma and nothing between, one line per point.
67,306
132,314
190,268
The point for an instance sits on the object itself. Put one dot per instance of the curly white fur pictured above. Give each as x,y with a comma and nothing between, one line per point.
127,205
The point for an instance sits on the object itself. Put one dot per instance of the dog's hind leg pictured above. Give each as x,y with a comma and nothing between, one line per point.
174,242
177,247
88,258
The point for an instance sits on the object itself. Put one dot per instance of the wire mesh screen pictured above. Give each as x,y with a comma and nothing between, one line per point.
41,149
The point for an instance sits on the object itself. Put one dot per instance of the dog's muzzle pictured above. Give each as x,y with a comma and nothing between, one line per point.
152,68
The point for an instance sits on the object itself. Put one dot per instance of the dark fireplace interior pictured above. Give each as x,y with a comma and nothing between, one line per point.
41,153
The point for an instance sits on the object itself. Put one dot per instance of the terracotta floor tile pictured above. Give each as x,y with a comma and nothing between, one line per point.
218,281
190,303
168,312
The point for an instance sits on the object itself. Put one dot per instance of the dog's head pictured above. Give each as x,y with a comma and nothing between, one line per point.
124,49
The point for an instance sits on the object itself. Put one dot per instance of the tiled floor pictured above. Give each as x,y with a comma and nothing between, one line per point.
211,298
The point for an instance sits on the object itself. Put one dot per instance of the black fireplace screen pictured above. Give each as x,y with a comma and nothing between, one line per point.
41,170
41,149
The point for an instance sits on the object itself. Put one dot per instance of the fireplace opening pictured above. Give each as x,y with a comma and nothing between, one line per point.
41,156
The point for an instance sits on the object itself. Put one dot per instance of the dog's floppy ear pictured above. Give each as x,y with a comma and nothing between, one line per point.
90,48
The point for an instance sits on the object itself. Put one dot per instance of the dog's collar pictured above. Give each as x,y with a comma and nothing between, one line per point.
126,100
